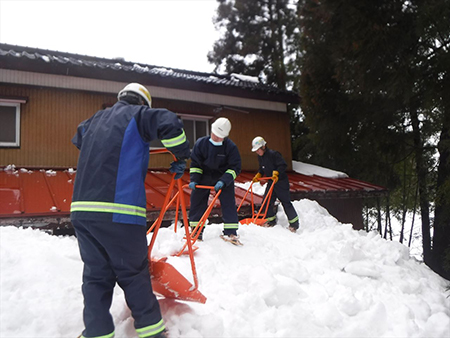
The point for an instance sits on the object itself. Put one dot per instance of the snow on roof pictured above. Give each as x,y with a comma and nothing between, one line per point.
247,78
84,63
311,170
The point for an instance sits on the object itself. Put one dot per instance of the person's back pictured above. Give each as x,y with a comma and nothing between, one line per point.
108,209
103,152
114,154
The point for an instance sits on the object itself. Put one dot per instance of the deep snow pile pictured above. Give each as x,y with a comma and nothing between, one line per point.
327,280
415,247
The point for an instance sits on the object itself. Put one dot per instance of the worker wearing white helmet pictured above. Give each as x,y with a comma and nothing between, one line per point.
108,209
216,162
272,164
135,93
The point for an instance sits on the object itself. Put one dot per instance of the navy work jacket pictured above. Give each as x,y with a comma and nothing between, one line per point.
270,161
221,163
113,160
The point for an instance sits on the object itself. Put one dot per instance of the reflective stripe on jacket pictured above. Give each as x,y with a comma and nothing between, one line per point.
113,160
220,162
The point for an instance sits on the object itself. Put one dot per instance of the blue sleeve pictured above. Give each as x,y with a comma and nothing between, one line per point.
77,140
164,125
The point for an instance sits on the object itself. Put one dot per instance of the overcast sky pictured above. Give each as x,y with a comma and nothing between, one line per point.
168,33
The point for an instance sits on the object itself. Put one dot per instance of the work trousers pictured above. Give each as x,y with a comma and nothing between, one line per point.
199,204
281,191
115,253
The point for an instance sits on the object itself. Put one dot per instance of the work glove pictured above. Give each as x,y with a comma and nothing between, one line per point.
219,185
178,167
256,178
275,176
192,185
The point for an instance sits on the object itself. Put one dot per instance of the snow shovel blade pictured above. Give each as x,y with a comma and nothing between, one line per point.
168,282
258,221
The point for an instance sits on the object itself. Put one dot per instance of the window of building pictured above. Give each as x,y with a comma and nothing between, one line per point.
10,123
194,127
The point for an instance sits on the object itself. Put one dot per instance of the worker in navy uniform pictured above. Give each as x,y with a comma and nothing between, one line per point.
108,208
272,164
216,162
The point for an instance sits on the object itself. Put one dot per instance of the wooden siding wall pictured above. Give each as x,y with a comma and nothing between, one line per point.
273,127
246,125
50,117
48,122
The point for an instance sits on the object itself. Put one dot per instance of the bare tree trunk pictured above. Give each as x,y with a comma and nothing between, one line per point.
441,236
423,189
380,228
404,199
276,40
366,218
388,218
414,216
387,225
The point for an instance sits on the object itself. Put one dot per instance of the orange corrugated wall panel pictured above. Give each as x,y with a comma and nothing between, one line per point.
26,193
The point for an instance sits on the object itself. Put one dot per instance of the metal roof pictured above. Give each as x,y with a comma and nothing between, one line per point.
44,196
48,61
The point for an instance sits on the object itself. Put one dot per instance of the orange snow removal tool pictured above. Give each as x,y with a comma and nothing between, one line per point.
166,280
201,223
257,218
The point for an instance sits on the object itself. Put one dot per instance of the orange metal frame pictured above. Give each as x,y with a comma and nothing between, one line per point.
165,279
201,223
257,218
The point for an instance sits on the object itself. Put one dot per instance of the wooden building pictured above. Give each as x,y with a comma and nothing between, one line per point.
44,95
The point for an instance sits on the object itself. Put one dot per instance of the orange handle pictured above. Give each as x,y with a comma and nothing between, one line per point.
162,151
265,203
250,189
204,187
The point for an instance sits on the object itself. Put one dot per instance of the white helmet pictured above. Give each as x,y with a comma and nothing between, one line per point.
221,127
257,143
137,89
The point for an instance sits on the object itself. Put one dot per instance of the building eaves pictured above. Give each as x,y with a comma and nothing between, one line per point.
55,62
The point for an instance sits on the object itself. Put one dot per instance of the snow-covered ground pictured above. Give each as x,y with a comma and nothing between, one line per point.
415,246
327,280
